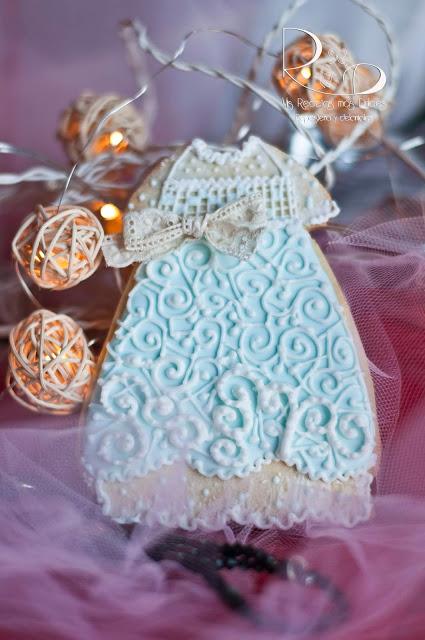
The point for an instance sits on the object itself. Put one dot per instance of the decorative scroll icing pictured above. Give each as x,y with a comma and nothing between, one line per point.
229,365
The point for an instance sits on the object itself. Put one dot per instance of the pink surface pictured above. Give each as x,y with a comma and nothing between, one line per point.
67,572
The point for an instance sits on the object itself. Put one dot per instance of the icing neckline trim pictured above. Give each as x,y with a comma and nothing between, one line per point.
225,155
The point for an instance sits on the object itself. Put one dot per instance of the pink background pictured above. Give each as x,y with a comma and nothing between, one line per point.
67,572
50,51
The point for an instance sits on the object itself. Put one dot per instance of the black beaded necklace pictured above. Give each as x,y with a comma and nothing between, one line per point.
208,559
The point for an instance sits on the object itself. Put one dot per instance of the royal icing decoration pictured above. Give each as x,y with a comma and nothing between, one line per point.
205,179
233,386
233,229
229,364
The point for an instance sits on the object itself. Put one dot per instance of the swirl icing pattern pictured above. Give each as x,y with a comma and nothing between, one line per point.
231,364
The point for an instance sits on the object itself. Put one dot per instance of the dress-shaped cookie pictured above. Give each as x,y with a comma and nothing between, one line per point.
233,385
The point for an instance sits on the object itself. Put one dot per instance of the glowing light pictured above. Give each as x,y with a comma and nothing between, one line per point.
62,262
306,72
40,256
115,138
110,212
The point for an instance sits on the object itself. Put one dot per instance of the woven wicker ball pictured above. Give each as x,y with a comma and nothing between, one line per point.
50,363
345,118
124,130
310,84
323,88
58,248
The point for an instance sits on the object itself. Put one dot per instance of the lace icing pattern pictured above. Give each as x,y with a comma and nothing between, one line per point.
228,155
252,170
232,229
294,503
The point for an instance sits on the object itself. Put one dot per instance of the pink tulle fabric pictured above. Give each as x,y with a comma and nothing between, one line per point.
67,572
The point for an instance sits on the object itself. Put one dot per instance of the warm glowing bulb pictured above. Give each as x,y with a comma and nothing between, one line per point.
306,72
109,212
115,138
40,256
62,262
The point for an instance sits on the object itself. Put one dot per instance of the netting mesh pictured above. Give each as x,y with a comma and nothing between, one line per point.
69,572
380,264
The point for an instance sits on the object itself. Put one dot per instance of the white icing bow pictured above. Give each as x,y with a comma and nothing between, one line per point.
150,233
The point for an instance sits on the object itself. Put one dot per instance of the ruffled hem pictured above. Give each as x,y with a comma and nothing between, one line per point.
275,496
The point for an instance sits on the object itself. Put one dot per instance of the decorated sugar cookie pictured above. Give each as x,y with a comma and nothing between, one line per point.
233,385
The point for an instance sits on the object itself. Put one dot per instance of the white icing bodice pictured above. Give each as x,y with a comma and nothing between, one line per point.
205,178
